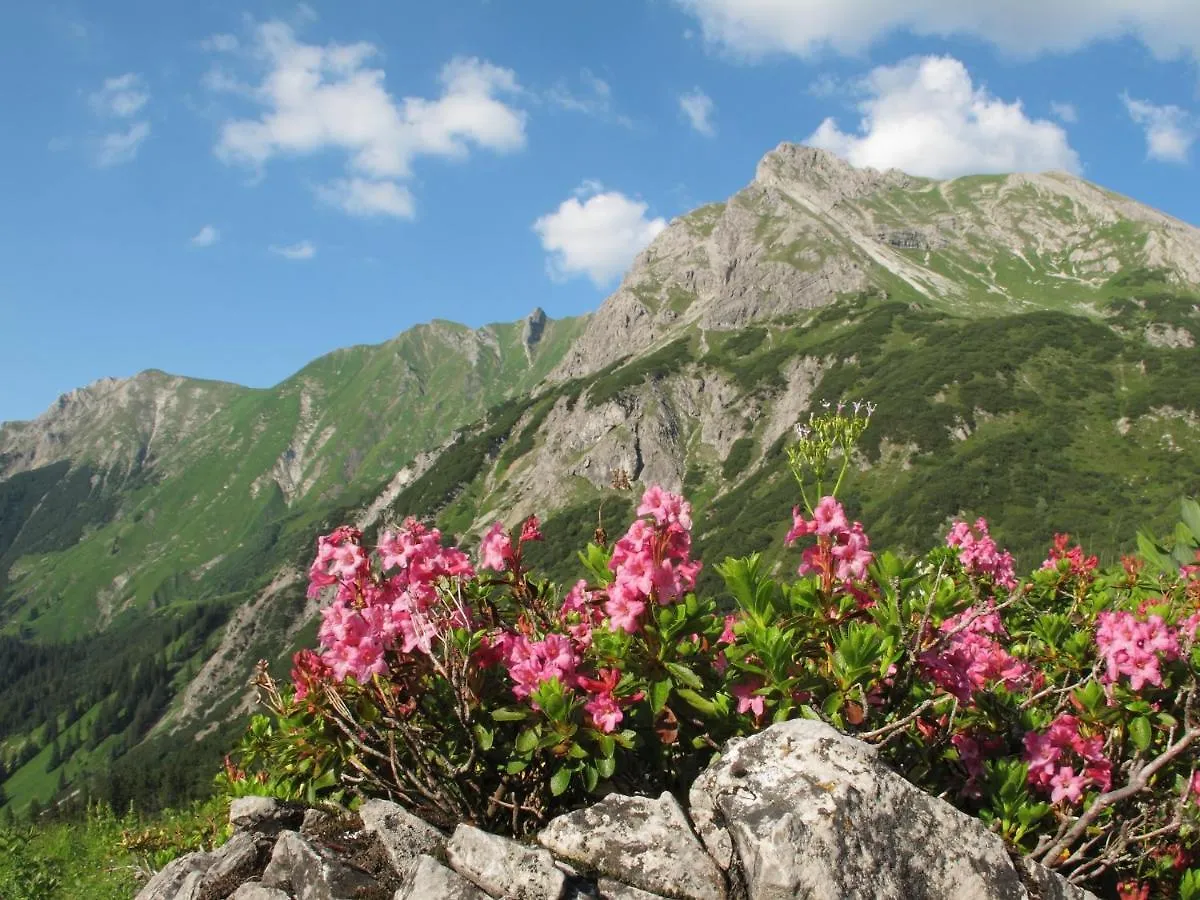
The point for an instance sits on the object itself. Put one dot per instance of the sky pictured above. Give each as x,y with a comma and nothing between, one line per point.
228,190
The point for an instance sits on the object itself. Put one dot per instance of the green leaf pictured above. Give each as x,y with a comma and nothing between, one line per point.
1190,511
516,766
685,676
605,766
1139,732
660,692
526,741
590,778
697,702
561,781
484,737
508,714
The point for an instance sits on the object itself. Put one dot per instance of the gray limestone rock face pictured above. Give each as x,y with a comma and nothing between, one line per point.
503,867
614,890
300,868
264,815
403,836
233,862
812,813
253,890
181,877
429,879
639,841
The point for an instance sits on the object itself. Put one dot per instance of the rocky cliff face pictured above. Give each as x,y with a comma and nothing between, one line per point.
811,228
797,811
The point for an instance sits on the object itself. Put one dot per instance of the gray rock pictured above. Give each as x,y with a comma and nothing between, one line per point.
253,890
813,813
264,815
300,868
403,836
638,841
169,883
315,820
429,879
614,890
504,868
1043,884
233,863
192,887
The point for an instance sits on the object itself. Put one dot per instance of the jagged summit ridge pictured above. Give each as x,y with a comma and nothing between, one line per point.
811,227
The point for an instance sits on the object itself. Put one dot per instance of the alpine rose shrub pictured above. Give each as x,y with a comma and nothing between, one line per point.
1061,709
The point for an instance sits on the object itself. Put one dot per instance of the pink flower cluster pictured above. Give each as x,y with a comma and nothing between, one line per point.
531,663
651,563
1050,757
373,613
980,556
1134,648
841,554
971,658
496,550
1080,566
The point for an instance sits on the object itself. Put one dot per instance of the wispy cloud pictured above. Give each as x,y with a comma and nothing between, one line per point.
1064,112
119,147
122,96
1170,131
592,97
698,107
205,237
301,250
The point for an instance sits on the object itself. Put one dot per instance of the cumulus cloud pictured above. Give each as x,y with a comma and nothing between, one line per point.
1170,131
1169,28
698,107
122,96
205,237
318,98
595,233
119,147
925,116
1065,112
301,250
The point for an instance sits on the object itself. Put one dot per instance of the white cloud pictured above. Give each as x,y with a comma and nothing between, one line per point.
924,116
205,237
597,235
595,99
302,250
326,97
1065,112
365,197
121,97
824,86
1170,131
699,108
119,147
1169,28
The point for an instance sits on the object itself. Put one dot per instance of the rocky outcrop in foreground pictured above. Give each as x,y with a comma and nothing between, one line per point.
798,810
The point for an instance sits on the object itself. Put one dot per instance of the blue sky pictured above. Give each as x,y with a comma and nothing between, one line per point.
228,190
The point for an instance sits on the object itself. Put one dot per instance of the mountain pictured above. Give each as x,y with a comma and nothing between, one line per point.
1029,340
